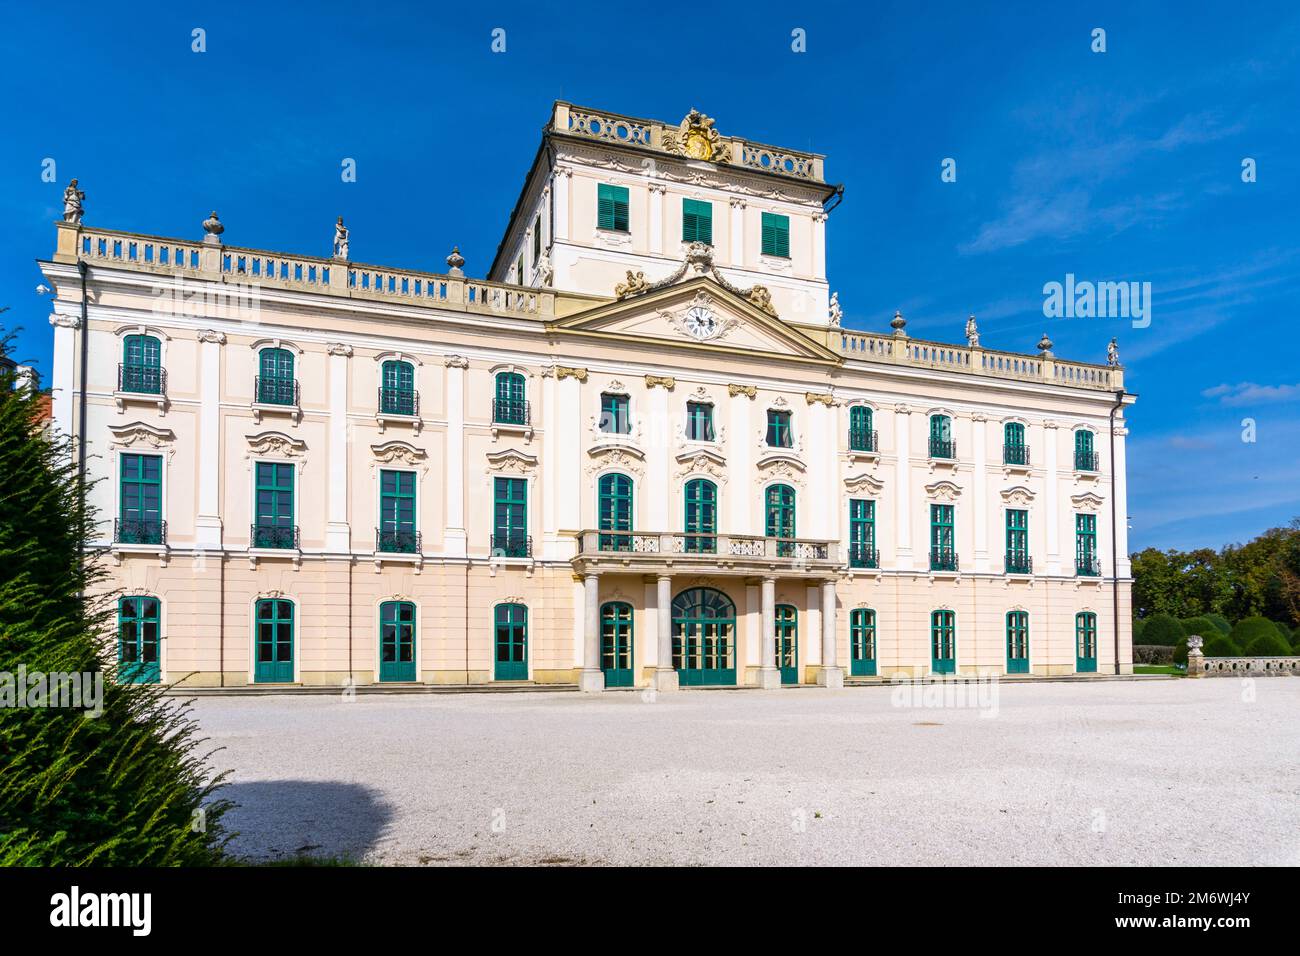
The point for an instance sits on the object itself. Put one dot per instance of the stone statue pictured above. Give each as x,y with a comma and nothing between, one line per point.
837,314
760,297
635,283
72,197
340,240
1112,353
545,270
972,333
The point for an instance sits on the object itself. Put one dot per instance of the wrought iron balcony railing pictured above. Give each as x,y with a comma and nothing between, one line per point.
275,537
863,439
728,548
616,541
943,559
399,401
863,556
512,546
1087,566
398,542
139,531
275,391
694,542
141,379
511,411
1086,460
1015,455
943,448
1019,562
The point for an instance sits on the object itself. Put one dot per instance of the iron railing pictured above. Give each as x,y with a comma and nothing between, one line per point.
1086,460
275,391
863,556
512,546
1087,566
511,411
399,401
139,531
275,537
943,448
943,559
1019,562
1015,455
141,379
863,439
398,541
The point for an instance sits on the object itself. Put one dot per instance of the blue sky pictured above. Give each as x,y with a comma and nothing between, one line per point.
1122,165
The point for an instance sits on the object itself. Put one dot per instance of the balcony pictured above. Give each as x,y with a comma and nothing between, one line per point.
1017,456
273,537
943,559
944,449
1019,562
864,440
398,542
510,411
276,395
1086,461
1087,566
511,546
141,383
863,556
695,552
398,406
133,531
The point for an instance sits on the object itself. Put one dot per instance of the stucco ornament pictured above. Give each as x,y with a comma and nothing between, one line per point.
398,451
697,261
836,314
700,320
276,443
72,203
696,138
635,284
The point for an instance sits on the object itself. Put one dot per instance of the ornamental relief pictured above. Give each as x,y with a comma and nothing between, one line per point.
276,443
943,491
510,461
702,464
615,459
1087,502
1018,496
780,470
138,433
398,451
864,483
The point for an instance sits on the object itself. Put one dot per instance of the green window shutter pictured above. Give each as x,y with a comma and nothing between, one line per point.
781,518
510,518
697,221
862,533
701,515
861,436
511,622
397,531
776,235
138,637
510,406
273,506
611,207
140,497
614,511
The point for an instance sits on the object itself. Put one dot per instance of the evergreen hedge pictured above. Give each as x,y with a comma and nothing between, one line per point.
1199,625
1220,646
1219,621
126,788
1162,629
1247,630
1268,645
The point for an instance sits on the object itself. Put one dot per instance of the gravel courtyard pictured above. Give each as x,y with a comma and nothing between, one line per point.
1131,773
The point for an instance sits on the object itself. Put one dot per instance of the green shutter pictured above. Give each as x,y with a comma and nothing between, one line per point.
862,533
943,642
510,518
616,643
397,512
273,508
697,221
140,510
776,235
397,641
781,519
273,642
1017,642
701,516
611,207
787,642
138,640
614,511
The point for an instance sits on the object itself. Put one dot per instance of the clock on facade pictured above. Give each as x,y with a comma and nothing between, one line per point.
700,322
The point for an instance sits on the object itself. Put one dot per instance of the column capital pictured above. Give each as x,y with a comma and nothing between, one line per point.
667,381
457,361
748,390
212,337
340,349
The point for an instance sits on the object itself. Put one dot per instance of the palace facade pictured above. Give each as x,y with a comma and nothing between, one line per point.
643,452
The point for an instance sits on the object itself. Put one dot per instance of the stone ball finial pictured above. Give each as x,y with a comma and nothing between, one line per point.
899,323
455,261
212,225
1045,345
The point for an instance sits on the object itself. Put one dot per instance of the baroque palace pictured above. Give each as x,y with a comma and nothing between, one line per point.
643,452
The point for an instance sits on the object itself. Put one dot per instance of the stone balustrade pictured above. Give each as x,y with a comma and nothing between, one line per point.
904,350
1251,666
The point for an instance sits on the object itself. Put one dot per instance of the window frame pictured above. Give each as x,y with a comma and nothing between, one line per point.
697,220
777,227
616,217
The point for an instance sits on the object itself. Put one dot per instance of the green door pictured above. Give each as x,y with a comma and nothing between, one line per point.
274,651
397,641
138,640
511,642
1085,637
787,643
704,638
862,642
1017,642
943,642
616,643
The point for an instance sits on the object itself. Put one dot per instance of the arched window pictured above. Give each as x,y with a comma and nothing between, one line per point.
510,407
704,637
614,511
397,641
1085,639
275,381
1085,458
1014,449
941,440
701,516
511,641
141,368
397,395
616,643
273,660
862,642
861,435
780,518
138,641
1017,642
943,642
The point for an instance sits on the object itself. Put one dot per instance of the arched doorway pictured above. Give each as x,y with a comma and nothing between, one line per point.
704,637
616,643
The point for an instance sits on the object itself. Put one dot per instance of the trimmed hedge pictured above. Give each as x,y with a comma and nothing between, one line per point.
1268,645
1139,626
1199,625
1152,654
1219,621
1220,646
1245,631
1162,629
1180,651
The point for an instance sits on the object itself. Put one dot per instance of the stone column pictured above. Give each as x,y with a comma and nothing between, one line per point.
665,675
768,675
831,674
592,678
739,456
656,433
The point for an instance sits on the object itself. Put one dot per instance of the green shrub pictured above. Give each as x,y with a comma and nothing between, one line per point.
1198,625
1219,621
1220,646
1162,629
119,789
1245,631
1139,625
1285,631
1268,645
1180,652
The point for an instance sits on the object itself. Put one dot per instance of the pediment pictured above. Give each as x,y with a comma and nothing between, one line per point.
697,314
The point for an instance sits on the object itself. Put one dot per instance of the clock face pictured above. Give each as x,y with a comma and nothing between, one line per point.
700,322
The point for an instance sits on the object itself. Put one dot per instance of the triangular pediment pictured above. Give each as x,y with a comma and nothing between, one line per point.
697,314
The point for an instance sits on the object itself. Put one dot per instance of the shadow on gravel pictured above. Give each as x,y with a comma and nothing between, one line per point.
286,819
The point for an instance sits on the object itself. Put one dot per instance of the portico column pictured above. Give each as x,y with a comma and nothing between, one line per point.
592,678
665,675
831,675
768,675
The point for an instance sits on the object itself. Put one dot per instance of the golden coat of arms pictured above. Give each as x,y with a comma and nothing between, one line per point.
696,138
